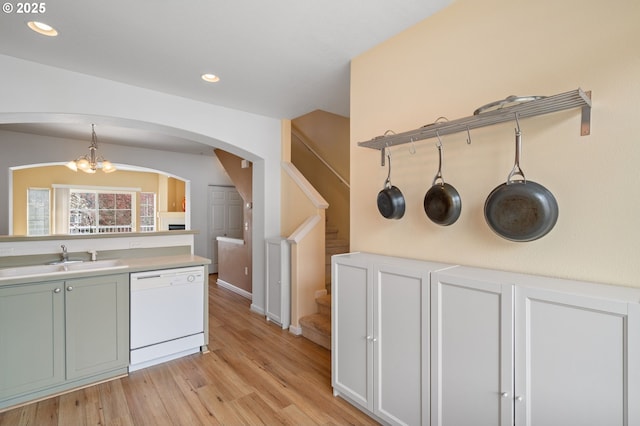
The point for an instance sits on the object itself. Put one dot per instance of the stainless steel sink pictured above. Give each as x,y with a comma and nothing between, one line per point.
67,267
96,265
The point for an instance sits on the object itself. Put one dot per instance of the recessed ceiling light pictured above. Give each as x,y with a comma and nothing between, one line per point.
210,78
42,28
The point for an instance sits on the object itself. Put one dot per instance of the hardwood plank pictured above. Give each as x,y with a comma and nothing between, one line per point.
72,408
113,404
47,412
255,374
203,414
143,400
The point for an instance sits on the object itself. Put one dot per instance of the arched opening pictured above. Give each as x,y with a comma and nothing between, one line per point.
138,157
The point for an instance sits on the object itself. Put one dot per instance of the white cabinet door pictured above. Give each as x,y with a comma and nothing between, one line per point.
471,350
401,344
577,360
278,291
351,334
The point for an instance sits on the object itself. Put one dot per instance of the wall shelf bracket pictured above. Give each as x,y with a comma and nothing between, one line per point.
545,105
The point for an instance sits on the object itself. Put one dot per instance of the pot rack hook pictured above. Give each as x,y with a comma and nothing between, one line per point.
468,136
439,144
385,148
412,148
517,123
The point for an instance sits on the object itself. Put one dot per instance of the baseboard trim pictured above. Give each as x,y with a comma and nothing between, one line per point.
233,288
295,330
256,309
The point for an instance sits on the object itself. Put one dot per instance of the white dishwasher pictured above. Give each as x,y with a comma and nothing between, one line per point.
167,315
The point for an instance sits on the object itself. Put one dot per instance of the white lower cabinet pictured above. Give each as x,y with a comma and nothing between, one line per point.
278,288
515,349
471,351
380,348
419,343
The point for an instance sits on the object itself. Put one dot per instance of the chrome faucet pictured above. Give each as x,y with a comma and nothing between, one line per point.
65,255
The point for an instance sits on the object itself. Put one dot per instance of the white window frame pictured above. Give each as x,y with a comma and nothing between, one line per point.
149,228
62,213
45,221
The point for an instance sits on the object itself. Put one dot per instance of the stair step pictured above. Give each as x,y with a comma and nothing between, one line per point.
331,233
330,251
336,243
324,305
317,328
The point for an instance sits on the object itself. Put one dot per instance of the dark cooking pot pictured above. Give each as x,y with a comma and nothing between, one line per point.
391,202
442,202
520,210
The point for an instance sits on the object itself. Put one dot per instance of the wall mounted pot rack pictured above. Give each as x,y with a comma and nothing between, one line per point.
545,105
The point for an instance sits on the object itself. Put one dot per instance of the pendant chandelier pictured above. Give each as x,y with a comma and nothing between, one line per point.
89,163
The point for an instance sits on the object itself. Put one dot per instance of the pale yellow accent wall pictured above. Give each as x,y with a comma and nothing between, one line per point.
475,52
46,176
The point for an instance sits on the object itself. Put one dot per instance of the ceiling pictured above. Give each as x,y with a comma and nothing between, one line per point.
281,58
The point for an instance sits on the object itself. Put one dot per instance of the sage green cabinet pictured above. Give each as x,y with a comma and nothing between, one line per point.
31,338
58,335
97,318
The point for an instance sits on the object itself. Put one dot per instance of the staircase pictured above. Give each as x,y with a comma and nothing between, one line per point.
332,246
317,327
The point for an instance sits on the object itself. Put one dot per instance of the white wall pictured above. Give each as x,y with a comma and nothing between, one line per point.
35,93
478,51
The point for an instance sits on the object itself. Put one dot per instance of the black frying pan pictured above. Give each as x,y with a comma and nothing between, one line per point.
391,202
442,202
520,210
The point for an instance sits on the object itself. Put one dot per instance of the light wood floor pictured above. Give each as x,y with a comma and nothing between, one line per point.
255,374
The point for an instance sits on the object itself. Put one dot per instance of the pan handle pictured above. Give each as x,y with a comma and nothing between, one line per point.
516,167
439,174
387,182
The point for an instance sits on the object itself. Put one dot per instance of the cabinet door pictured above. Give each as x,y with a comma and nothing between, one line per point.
401,345
278,300
31,337
576,360
351,333
97,315
472,351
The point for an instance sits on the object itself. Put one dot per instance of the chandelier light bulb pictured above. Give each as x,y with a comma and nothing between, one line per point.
91,162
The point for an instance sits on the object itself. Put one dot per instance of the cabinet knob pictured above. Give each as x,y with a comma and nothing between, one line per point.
505,394
70,288
369,337
57,290
518,398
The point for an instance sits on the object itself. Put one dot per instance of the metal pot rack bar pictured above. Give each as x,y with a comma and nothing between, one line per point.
546,105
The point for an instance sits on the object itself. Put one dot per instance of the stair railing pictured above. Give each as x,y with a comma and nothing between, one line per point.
305,141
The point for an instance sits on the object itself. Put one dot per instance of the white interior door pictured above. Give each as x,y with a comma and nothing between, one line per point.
226,218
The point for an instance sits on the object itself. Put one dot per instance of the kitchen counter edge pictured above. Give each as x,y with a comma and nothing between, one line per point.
132,265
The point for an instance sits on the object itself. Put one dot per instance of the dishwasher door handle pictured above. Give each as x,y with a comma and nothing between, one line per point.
146,277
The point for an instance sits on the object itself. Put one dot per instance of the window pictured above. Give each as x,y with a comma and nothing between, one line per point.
38,211
93,211
147,212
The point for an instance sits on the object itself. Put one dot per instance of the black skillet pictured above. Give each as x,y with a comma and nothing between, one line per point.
391,203
520,210
442,202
